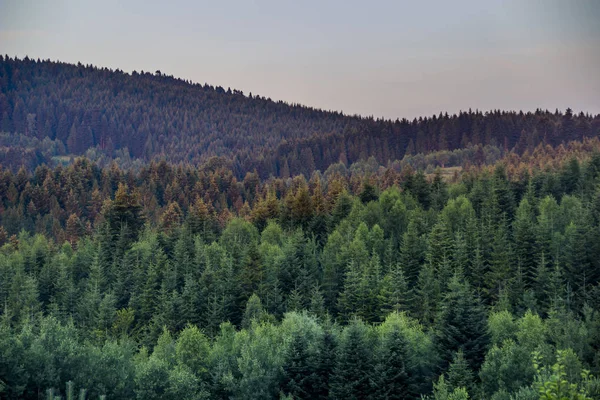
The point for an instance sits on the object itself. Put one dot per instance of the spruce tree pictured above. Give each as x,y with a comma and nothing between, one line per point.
317,303
501,269
393,292
191,302
391,380
412,252
349,299
428,295
297,370
460,374
525,240
254,311
322,363
502,196
351,377
441,250
579,272
541,282
461,324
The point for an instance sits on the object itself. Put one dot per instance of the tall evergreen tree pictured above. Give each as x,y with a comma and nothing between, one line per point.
394,292
352,373
297,369
391,380
525,240
412,253
460,374
501,269
462,324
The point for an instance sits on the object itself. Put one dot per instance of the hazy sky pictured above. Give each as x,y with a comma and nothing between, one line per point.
381,58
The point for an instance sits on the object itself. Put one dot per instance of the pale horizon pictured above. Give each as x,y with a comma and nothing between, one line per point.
391,60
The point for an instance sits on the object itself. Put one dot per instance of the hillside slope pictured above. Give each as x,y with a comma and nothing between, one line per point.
50,109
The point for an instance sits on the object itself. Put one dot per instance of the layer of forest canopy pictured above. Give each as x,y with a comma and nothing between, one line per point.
51,111
179,283
162,239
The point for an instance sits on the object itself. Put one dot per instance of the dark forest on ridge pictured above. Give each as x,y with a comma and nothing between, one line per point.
161,239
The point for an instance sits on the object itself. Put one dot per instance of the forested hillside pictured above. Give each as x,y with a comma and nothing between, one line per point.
163,239
361,282
50,111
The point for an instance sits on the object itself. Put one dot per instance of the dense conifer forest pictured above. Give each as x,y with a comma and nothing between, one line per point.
50,111
167,240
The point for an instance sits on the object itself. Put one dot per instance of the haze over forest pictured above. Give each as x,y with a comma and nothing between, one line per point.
395,59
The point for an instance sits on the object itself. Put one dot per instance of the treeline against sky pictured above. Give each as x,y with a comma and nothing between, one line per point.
390,285
50,111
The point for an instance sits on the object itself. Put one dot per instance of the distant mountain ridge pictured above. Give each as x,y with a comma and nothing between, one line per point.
49,110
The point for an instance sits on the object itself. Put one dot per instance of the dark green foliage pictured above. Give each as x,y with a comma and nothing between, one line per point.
460,374
391,380
369,193
461,324
501,269
417,186
323,363
412,252
351,377
297,371
193,302
525,240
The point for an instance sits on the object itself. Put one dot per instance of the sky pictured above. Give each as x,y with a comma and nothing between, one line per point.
392,59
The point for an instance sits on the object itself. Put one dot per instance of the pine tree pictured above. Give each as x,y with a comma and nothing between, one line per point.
368,193
462,324
125,210
148,298
199,220
124,284
296,300
22,301
351,375
546,226
269,289
541,282
412,253
322,363
502,196
171,218
341,208
501,270
439,191
73,229
556,288
441,251
459,373
391,376
479,270
350,299
417,185
251,274
525,240
65,297
191,302
297,370
393,292
427,296
580,275
302,210
254,311
317,304
461,256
